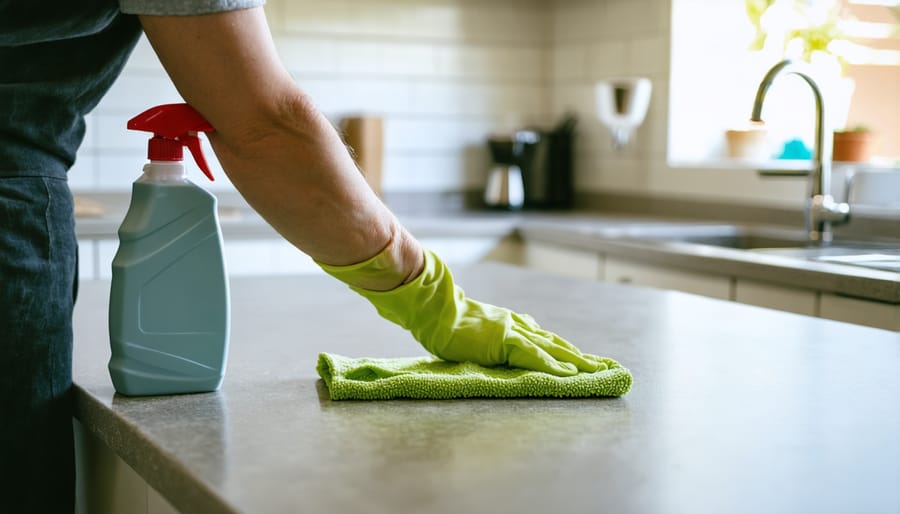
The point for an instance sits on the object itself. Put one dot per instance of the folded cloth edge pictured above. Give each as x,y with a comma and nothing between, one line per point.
348,378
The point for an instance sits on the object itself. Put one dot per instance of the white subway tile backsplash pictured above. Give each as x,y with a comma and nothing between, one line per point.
529,64
575,97
105,252
509,22
328,94
482,62
626,18
436,172
81,174
117,172
112,135
608,59
143,59
622,38
579,21
440,20
87,260
648,55
436,135
133,93
463,61
569,62
376,96
316,17
357,57
411,60
308,55
445,74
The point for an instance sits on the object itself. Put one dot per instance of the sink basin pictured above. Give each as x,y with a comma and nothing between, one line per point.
733,236
788,243
747,241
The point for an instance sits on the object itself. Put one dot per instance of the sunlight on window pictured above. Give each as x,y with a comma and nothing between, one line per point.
721,50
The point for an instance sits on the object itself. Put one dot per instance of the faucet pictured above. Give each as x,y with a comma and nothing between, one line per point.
821,209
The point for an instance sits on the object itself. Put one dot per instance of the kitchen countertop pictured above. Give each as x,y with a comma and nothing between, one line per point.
607,232
734,409
627,238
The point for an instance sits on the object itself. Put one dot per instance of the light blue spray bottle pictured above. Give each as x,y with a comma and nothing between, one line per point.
169,307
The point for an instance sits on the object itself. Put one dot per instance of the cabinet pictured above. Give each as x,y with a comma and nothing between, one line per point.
789,299
105,484
269,256
564,261
861,312
627,272
593,265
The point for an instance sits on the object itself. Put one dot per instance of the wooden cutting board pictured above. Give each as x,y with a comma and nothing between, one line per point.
364,135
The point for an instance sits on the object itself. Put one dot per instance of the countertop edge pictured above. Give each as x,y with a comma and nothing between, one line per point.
159,468
244,224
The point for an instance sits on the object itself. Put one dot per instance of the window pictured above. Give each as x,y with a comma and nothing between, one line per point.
715,74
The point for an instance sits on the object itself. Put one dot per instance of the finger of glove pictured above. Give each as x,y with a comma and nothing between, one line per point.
601,362
557,339
526,320
561,352
533,358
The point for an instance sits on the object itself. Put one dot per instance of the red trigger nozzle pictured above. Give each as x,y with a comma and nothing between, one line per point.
173,126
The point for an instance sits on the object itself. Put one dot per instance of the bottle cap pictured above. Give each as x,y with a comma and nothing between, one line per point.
173,126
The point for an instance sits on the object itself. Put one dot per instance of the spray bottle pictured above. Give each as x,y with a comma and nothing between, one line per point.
169,304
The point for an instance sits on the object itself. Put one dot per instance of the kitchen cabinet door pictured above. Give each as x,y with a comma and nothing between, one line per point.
461,250
106,484
773,296
627,272
861,312
563,261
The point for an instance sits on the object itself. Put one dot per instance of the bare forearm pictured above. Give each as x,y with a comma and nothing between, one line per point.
302,180
282,155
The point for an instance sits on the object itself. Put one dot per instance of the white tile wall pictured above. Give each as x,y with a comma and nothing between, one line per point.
443,73
596,40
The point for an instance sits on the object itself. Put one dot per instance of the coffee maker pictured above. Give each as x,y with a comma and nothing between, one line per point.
504,188
532,168
546,164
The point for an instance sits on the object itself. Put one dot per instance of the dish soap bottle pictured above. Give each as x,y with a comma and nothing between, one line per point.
169,305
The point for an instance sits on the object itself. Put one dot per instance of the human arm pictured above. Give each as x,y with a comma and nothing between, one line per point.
290,165
279,151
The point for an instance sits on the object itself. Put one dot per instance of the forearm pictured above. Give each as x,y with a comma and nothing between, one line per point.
301,179
281,154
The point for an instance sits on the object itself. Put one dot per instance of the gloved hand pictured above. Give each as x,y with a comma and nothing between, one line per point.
456,328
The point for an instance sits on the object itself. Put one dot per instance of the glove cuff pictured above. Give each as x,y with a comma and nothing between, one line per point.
383,271
401,304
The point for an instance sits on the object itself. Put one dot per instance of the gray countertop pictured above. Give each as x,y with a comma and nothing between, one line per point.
608,233
627,238
734,409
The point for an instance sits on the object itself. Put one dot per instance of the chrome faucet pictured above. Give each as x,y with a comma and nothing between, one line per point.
821,210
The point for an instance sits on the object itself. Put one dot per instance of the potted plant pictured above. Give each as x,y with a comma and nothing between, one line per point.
854,144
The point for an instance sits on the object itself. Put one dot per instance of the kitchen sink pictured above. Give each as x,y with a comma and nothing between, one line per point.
785,242
745,241
731,236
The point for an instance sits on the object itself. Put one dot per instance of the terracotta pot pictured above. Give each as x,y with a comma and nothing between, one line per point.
853,146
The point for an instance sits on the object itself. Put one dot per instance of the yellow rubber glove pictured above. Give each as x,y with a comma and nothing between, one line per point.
456,328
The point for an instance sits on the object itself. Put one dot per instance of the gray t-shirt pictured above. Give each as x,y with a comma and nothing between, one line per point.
59,58
170,8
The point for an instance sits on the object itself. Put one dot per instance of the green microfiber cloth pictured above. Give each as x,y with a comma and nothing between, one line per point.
429,378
